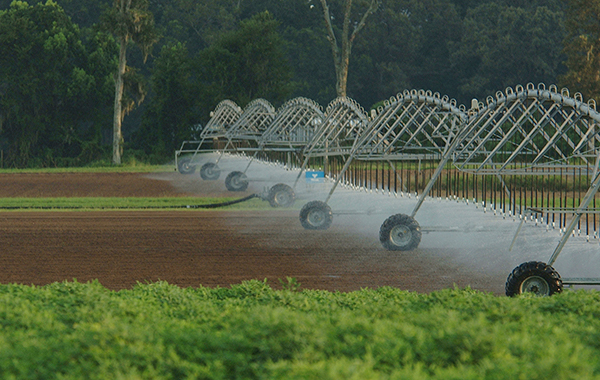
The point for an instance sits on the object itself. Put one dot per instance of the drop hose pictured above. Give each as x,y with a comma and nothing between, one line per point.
222,204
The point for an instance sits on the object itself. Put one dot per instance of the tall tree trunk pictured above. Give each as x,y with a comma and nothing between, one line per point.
341,54
118,115
341,70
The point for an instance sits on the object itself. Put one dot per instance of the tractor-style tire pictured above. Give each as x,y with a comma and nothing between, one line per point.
184,166
210,171
316,215
281,195
236,181
533,277
400,232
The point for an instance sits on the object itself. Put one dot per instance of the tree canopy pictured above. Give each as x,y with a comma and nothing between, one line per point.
582,47
54,85
242,50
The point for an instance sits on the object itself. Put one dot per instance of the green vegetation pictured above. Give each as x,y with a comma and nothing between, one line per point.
58,95
250,331
137,168
116,203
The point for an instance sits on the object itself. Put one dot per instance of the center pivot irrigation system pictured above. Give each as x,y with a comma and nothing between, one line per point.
530,152
344,123
414,126
291,129
232,130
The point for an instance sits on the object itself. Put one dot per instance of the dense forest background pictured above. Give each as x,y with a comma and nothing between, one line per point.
58,61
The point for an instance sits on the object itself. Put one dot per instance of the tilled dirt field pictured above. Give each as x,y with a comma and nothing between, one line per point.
199,247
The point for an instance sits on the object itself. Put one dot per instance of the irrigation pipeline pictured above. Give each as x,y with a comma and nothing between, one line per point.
210,205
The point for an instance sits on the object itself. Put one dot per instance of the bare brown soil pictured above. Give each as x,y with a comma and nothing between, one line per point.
198,247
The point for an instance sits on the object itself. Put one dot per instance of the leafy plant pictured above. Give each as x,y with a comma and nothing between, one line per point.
72,330
291,284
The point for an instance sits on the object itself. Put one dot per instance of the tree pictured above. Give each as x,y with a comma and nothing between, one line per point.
308,53
408,48
173,110
130,21
247,63
582,47
84,13
341,50
52,84
198,23
504,46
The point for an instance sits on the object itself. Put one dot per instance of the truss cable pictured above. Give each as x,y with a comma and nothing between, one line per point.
578,196
396,181
594,216
550,190
587,184
447,182
553,199
466,185
376,176
522,189
566,192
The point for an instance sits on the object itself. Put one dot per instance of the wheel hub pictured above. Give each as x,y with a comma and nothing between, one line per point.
400,235
282,198
535,285
316,217
238,181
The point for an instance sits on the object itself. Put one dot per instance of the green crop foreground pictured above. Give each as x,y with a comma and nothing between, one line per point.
72,330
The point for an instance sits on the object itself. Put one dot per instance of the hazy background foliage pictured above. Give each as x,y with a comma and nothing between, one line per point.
57,64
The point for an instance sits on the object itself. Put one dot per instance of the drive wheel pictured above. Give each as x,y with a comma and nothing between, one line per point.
316,215
184,166
236,181
210,171
281,195
533,277
400,232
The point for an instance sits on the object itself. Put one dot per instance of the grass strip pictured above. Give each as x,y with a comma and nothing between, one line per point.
117,203
140,168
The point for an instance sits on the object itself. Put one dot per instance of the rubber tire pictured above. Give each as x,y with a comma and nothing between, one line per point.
281,195
184,166
316,215
527,278
236,181
406,230
210,171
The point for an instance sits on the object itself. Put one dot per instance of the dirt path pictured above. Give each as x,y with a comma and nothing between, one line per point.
191,248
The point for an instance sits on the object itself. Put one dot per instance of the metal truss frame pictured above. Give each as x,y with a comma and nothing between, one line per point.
240,130
525,129
292,129
224,116
414,125
345,121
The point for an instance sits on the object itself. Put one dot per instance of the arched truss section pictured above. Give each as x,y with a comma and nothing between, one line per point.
225,114
414,124
528,128
295,124
255,119
345,121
